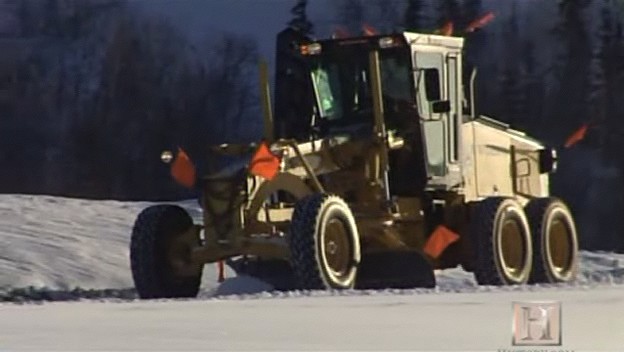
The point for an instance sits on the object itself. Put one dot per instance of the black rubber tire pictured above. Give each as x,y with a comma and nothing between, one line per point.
306,238
153,230
486,231
541,213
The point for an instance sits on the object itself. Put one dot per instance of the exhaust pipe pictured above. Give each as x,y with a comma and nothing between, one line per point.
473,76
265,93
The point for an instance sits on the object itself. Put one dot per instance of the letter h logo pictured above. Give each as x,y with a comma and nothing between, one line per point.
536,324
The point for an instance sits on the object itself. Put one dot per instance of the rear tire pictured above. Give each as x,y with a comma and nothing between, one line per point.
503,250
324,243
157,230
555,241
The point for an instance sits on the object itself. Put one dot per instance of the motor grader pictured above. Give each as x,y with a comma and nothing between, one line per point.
374,171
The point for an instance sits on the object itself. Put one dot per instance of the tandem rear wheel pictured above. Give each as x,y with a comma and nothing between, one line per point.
514,246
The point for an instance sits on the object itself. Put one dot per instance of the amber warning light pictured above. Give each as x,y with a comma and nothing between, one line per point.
310,49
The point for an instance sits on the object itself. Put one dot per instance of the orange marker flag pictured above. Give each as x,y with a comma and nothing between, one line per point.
577,136
341,32
369,30
220,271
447,29
480,22
440,239
264,163
183,170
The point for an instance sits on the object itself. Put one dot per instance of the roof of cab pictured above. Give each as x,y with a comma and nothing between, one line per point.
432,39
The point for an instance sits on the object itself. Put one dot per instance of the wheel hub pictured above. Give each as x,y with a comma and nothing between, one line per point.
332,248
337,247
513,249
179,250
560,246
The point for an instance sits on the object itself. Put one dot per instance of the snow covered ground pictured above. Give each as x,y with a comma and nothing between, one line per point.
593,320
65,249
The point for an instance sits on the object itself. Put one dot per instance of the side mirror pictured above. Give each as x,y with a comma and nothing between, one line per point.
548,160
432,84
441,106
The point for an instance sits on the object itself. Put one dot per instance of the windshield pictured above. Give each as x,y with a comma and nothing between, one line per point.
342,84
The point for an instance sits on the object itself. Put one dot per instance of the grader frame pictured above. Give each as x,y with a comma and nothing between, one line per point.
301,165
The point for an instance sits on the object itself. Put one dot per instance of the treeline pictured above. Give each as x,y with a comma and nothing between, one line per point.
92,92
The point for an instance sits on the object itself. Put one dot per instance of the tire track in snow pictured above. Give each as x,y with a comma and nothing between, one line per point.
40,295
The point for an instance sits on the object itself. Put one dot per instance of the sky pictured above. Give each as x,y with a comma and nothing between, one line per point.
261,19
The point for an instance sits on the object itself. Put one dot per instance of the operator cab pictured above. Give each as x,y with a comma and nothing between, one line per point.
324,88
335,76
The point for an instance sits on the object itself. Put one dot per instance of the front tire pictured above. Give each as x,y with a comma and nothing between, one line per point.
324,243
556,241
502,243
159,249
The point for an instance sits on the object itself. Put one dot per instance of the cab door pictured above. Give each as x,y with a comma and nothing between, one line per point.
438,97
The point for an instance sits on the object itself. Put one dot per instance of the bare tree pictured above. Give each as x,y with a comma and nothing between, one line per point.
415,17
232,83
387,16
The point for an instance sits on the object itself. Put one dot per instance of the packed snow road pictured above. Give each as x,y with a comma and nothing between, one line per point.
592,320
58,249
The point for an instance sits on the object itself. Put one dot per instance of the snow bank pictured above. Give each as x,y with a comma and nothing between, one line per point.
54,248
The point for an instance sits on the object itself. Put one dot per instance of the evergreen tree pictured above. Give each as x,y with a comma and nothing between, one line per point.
476,41
448,10
387,17
598,68
352,15
605,100
26,18
415,17
533,86
607,84
569,100
513,100
471,10
52,18
300,20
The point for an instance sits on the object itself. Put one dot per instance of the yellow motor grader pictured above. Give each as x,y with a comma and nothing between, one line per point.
374,171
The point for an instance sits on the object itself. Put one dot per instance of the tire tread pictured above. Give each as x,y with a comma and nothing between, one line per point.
146,253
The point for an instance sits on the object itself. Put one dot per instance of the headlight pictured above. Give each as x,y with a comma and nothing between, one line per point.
310,49
386,42
166,156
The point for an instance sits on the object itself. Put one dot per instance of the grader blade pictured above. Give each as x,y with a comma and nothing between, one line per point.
395,269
